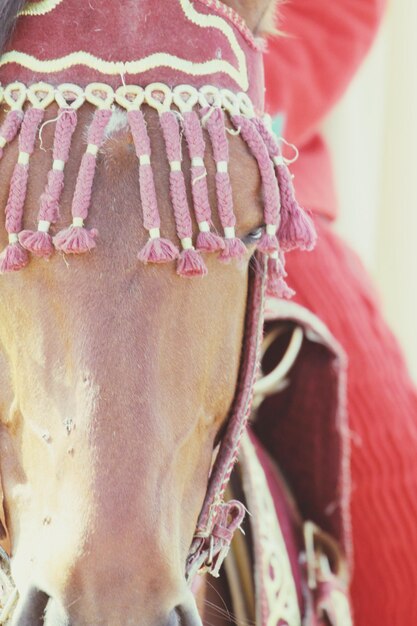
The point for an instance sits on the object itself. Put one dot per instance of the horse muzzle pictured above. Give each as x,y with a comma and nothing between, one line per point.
36,608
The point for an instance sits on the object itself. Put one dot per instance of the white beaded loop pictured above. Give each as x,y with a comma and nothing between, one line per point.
69,95
158,96
130,97
245,105
156,103
15,96
41,95
209,96
230,102
99,94
185,104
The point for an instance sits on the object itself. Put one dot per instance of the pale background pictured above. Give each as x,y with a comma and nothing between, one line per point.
373,138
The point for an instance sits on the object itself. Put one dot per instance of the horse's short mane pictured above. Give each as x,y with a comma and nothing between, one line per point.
8,14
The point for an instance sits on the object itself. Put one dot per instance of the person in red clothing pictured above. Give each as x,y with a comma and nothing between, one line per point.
306,73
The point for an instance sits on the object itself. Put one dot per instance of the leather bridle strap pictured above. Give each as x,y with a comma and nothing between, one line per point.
218,520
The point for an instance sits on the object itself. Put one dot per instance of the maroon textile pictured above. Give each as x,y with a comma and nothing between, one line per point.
304,427
165,27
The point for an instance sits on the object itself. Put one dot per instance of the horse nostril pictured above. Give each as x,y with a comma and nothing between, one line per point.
174,619
187,613
30,609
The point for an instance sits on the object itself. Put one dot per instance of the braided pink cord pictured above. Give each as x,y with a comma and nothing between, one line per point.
37,242
190,262
193,131
151,218
83,189
213,119
215,124
271,197
296,229
10,127
65,127
276,286
76,239
171,132
196,146
156,250
14,257
211,512
18,185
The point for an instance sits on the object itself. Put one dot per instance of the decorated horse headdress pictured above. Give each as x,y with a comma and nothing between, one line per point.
198,65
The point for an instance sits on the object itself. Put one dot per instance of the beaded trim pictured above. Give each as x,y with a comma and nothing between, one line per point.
158,96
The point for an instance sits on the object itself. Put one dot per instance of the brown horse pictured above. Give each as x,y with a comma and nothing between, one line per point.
116,380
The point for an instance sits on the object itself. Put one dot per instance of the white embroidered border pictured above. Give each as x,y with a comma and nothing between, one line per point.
40,8
275,587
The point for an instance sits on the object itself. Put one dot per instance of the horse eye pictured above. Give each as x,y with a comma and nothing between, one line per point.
254,236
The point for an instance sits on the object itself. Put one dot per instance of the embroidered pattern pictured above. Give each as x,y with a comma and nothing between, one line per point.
238,73
40,8
275,588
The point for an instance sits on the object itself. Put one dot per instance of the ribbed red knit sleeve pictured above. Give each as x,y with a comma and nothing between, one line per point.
308,70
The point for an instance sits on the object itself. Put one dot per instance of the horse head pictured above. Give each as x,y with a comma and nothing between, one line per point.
118,377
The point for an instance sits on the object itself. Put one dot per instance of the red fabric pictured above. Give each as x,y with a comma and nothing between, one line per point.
306,73
137,31
382,405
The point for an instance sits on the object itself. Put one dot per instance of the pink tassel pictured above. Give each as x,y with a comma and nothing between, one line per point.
276,287
296,228
248,131
14,257
206,240
190,262
156,249
213,120
9,128
269,241
76,239
234,248
209,242
39,242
